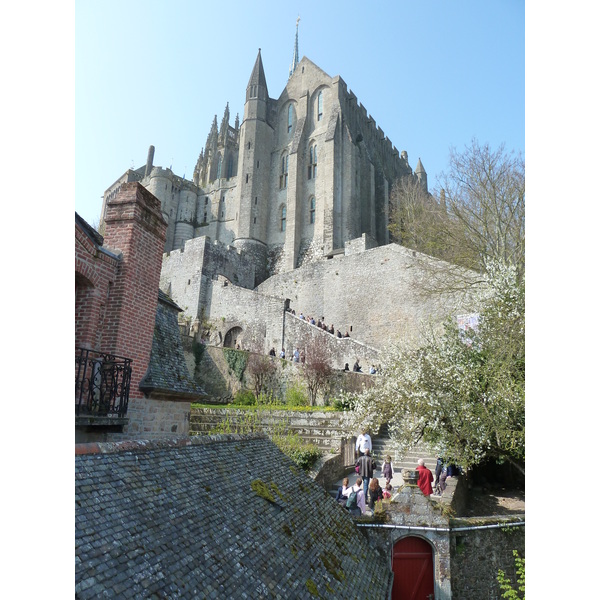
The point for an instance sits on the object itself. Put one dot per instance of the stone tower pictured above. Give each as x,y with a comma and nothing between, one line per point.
252,193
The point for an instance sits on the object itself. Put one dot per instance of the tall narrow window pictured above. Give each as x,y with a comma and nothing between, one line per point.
229,166
290,118
320,106
312,162
311,213
219,166
283,215
283,178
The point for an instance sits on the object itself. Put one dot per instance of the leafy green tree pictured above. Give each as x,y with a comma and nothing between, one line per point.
461,391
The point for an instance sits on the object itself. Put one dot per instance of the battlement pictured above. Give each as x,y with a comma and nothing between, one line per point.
372,134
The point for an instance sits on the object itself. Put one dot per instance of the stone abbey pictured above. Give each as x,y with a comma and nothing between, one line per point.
292,206
300,176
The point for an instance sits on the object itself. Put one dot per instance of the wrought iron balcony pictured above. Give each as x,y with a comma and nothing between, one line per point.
101,384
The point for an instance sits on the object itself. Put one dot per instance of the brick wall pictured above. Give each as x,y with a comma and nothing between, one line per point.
135,228
95,273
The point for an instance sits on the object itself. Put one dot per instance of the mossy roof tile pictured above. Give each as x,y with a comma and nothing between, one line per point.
194,522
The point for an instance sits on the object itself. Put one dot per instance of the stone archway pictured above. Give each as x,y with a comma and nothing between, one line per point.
233,338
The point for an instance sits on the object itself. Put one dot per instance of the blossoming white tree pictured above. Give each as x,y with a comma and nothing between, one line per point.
465,395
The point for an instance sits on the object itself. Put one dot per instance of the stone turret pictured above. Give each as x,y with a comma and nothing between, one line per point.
421,174
149,161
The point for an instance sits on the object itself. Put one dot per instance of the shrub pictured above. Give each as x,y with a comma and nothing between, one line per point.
245,398
303,454
344,402
295,395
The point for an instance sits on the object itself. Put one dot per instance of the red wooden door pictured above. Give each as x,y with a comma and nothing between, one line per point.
413,570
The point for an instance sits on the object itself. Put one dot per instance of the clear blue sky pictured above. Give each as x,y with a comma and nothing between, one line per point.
147,72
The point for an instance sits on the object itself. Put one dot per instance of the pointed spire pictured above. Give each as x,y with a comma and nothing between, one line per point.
224,125
295,59
421,174
212,134
225,121
258,73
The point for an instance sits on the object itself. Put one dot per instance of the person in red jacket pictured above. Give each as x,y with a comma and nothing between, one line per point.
425,478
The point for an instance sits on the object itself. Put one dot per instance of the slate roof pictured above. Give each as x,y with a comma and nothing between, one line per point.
167,372
226,516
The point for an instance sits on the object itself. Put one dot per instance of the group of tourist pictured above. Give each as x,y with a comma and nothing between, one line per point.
358,369
321,324
367,490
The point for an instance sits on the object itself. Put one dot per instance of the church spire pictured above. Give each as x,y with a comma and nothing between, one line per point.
257,78
295,59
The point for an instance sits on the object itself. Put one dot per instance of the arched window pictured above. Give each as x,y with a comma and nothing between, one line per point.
230,166
311,210
283,215
320,106
283,178
290,118
312,162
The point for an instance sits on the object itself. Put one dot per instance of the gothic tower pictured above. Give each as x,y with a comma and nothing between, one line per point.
256,142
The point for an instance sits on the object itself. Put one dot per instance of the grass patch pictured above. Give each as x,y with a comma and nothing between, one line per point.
283,407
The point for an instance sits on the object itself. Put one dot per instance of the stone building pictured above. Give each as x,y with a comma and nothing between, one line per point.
290,209
300,176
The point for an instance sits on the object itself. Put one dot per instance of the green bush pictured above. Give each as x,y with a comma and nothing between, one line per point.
303,454
506,586
198,349
295,395
245,398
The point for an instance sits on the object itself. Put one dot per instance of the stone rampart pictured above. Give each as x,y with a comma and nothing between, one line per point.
374,295
221,385
186,273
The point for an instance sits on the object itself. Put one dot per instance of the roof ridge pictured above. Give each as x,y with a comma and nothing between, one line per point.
161,443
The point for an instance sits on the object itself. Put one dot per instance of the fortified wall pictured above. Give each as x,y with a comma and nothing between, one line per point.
372,294
186,274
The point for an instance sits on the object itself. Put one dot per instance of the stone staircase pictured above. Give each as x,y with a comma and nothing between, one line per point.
382,446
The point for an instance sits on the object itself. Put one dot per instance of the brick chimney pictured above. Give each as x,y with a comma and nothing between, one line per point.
136,229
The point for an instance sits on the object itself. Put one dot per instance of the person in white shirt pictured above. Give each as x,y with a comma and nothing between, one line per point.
363,442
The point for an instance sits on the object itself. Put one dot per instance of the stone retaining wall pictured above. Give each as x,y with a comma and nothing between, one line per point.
324,429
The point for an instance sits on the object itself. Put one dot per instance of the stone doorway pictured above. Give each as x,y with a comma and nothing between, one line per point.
412,563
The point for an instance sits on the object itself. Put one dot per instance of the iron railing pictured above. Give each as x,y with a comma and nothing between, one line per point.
101,383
